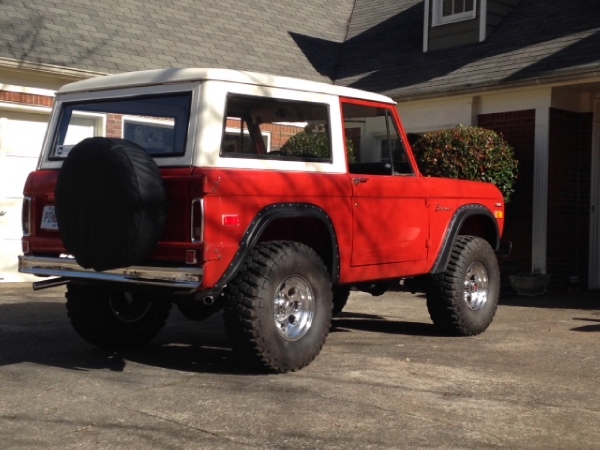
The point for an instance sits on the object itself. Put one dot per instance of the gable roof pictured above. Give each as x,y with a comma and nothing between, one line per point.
111,36
538,41
374,45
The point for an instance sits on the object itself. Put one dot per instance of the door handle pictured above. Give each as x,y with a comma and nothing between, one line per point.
2,213
357,181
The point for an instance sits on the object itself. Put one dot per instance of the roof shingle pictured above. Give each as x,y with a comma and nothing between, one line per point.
370,44
116,36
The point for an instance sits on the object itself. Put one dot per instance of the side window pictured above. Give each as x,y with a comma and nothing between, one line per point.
258,127
373,144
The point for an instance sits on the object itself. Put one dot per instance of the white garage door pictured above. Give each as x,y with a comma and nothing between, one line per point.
21,136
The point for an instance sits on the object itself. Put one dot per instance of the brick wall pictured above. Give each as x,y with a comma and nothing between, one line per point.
569,182
280,134
114,125
26,99
518,128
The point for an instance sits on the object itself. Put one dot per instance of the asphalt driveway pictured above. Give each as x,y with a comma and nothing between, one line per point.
385,379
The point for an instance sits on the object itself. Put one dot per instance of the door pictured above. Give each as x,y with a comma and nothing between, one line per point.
390,214
391,223
21,136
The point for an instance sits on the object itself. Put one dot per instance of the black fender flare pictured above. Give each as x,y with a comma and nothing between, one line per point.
262,220
457,221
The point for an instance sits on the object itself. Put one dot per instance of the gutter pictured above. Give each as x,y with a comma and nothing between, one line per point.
48,69
441,92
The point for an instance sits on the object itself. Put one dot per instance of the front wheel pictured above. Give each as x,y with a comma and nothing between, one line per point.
115,320
278,307
340,298
463,300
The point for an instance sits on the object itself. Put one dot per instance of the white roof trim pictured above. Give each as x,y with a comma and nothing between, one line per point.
169,76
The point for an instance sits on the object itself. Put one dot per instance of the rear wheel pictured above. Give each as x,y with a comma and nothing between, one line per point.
278,307
463,300
115,320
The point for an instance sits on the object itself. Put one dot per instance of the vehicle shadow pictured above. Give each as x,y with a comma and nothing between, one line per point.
348,321
587,328
40,333
582,300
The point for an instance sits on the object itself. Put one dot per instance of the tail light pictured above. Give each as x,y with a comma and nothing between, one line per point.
26,216
197,220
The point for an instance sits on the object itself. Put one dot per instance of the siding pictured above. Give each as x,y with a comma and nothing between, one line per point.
453,34
467,32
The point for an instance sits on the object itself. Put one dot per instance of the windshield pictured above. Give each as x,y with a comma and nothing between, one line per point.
159,123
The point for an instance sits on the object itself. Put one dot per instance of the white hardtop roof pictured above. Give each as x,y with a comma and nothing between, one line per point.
170,76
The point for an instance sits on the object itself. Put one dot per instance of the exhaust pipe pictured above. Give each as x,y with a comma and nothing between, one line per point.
53,282
208,301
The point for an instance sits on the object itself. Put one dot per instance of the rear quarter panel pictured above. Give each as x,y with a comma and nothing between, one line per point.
244,193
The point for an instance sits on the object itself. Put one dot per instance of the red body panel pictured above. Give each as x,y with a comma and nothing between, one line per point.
243,193
385,226
174,241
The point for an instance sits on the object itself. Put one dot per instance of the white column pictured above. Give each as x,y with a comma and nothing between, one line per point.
540,190
483,21
594,255
426,27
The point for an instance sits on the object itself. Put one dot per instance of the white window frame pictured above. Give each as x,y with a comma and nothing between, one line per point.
439,19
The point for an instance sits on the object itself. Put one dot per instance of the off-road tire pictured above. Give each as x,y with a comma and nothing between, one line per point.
111,204
115,320
462,300
268,307
340,298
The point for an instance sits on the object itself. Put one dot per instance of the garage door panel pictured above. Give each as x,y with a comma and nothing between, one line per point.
21,139
13,174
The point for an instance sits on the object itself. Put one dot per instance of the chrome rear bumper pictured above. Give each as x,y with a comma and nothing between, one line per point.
176,277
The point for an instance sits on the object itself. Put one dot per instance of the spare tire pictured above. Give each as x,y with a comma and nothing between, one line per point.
110,203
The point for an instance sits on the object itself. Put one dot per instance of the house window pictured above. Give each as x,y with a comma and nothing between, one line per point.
448,11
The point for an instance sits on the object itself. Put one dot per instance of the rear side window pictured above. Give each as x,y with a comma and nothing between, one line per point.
158,124
258,127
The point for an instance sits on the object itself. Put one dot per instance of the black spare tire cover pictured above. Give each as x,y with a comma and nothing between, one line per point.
110,203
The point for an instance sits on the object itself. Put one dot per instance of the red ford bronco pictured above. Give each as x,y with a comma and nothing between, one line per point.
267,197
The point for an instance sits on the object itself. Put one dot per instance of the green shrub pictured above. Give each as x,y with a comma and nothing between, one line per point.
309,143
312,142
468,153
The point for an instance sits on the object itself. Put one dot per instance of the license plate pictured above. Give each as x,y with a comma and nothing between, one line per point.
49,219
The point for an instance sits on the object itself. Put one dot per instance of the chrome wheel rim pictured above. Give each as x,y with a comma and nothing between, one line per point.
294,308
476,286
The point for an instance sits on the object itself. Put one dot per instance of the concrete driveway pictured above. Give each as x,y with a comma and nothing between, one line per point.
385,379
